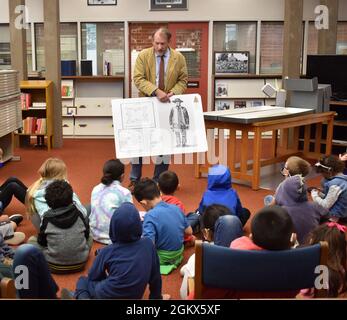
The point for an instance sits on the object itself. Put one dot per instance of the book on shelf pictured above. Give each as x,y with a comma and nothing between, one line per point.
39,105
67,90
33,125
25,99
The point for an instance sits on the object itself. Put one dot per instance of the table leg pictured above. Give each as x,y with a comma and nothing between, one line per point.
231,149
317,145
256,159
307,138
274,141
329,142
244,151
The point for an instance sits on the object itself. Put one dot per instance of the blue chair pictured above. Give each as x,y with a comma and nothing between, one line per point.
268,274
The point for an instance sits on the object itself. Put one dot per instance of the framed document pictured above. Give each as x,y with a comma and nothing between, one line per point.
231,62
168,5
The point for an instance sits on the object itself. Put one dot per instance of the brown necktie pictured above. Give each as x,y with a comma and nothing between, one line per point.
161,73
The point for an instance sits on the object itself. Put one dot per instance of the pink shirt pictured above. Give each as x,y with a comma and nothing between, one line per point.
244,243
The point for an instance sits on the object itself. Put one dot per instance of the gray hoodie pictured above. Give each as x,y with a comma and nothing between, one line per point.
291,194
64,235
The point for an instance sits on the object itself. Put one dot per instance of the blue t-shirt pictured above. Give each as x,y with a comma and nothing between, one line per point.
165,225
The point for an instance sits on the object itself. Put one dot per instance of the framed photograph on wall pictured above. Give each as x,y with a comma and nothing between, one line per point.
158,5
231,62
102,2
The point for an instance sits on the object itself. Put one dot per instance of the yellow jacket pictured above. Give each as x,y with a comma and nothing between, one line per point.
145,74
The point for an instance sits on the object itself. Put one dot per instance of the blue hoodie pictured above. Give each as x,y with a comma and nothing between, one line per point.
219,191
123,269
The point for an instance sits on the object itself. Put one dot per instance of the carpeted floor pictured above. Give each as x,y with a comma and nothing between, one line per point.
85,159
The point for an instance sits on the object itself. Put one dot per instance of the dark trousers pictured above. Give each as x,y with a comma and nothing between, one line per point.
41,283
12,187
162,164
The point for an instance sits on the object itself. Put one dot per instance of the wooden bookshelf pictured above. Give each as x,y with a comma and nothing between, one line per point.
40,91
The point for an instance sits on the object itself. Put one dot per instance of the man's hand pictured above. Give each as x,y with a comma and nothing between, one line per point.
162,96
170,94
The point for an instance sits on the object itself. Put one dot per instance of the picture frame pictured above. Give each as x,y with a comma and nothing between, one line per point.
102,2
231,62
168,5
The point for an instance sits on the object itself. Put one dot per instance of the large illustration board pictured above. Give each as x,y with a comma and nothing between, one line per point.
147,127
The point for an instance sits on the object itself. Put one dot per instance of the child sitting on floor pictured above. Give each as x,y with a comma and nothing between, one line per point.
168,184
293,166
333,197
334,234
36,205
123,269
220,191
64,233
292,196
106,198
272,229
218,226
164,224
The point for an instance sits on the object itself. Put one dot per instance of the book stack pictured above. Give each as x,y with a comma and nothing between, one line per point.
39,105
33,125
25,99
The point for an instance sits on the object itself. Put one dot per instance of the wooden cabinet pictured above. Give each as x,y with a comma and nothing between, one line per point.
37,113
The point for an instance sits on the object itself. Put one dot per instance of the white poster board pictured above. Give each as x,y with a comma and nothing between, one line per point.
147,127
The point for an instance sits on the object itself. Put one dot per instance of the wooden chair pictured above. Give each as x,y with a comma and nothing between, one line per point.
226,273
7,289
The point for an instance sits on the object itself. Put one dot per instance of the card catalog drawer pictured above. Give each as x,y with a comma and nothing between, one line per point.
68,126
94,106
94,127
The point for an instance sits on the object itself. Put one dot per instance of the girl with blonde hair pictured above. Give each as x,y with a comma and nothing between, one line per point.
52,169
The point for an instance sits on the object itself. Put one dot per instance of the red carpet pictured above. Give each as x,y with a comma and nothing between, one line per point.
84,160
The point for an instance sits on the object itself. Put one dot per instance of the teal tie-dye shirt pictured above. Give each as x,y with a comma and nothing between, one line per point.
104,201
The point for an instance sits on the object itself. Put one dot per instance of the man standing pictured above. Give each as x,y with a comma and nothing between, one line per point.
160,72
179,122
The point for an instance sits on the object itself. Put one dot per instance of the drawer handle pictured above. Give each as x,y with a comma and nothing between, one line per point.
65,126
82,106
99,105
82,125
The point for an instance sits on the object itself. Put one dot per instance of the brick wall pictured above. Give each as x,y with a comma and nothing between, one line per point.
271,49
141,34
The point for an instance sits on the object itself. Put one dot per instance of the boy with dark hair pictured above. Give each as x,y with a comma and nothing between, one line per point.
168,184
64,232
333,197
272,229
164,224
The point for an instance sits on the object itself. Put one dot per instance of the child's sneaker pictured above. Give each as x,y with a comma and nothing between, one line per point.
16,218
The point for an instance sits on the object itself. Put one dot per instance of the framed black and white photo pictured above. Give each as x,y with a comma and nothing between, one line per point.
102,2
168,5
231,62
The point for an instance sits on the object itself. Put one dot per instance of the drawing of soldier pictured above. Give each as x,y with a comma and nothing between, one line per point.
179,122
